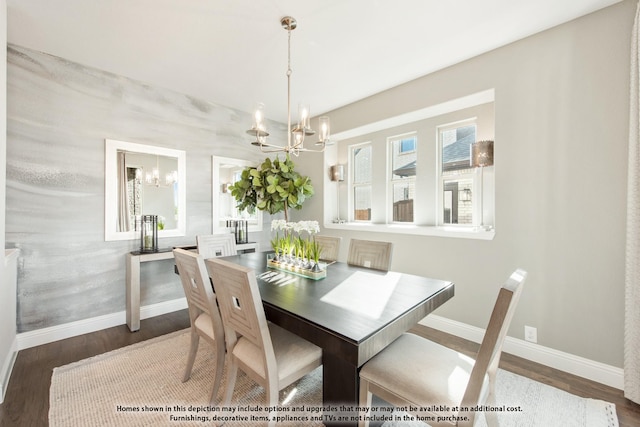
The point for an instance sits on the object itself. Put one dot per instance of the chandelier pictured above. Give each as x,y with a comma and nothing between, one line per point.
295,135
153,178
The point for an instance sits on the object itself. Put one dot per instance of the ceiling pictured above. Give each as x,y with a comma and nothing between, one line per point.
234,53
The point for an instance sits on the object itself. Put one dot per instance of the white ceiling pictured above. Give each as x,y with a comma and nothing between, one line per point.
234,52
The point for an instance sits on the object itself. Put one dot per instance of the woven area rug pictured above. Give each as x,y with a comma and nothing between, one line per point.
141,385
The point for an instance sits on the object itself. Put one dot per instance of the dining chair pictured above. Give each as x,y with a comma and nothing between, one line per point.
270,355
330,247
216,245
416,371
203,313
370,254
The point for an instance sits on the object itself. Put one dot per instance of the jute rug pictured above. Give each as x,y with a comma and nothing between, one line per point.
141,385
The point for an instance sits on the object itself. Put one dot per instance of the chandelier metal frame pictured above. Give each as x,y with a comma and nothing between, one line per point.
295,135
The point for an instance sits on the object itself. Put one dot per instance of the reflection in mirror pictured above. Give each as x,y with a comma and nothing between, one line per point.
226,171
143,180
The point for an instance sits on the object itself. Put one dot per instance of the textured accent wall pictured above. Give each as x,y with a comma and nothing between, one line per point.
59,114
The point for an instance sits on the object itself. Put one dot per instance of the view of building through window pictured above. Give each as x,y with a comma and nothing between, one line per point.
388,188
362,173
403,177
456,174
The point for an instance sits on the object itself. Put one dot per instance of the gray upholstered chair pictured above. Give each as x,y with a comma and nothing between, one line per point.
271,356
370,254
203,313
216,245
415,371
330,247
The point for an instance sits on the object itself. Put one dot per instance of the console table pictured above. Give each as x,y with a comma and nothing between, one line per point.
133,261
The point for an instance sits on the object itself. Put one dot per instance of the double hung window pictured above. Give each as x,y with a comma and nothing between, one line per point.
362,177
402,185
417,176
456,174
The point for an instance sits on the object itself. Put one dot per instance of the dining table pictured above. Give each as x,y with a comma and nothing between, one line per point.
352,314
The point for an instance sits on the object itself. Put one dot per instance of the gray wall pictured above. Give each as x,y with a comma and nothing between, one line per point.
561,130
3,114
59,114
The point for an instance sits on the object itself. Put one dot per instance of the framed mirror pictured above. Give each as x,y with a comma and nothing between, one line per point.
225,172
143,180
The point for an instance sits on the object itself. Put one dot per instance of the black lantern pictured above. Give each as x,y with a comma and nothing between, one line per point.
242,231
149,233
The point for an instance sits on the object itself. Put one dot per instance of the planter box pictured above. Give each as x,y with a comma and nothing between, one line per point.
289,268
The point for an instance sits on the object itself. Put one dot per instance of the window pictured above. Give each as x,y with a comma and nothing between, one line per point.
456,175
403,177
412,174
362,174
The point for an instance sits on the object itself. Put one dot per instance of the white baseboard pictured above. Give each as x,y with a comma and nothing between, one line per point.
576,365
595,371
80,327
7,367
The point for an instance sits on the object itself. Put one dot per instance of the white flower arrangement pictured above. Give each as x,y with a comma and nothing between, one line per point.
292,244
278,224
311,227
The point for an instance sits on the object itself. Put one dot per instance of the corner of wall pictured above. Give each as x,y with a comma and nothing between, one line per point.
8,329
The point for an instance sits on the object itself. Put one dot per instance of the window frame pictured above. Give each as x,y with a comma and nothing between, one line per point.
425,120
354,185
391,181
462,174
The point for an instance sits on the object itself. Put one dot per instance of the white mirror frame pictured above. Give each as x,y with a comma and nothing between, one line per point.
217,162
111,188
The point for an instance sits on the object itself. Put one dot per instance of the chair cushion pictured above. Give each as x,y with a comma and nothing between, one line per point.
420,371
203,324
294,355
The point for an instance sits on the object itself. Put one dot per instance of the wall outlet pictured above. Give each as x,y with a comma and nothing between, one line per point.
530,334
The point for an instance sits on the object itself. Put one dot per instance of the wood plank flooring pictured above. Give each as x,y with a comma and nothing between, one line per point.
27,400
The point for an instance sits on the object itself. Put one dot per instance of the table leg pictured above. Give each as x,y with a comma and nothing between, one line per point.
340,382
133,292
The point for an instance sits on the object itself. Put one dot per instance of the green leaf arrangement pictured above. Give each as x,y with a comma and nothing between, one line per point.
274,186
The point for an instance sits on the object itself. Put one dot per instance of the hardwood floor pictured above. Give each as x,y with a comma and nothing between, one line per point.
27,398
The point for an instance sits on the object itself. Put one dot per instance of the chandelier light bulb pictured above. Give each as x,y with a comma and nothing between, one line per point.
304,116
323,123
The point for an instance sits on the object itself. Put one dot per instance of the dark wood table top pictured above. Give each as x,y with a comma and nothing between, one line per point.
352,314
353,302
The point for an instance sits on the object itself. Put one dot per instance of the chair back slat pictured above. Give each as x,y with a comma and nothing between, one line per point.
240,303
216,245
491,348
330,247
370,254
197,287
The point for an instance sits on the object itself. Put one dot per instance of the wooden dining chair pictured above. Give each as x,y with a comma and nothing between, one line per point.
416,371
270,355
370,254
203,313
216,245
330,247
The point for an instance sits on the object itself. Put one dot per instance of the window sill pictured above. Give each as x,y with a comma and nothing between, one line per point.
421,230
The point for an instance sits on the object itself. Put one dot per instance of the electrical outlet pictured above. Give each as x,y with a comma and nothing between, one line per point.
530,334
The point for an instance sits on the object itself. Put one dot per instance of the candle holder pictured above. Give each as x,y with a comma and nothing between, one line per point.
242,231
149,233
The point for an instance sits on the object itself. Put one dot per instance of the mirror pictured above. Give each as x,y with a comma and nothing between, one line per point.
143,180
226,171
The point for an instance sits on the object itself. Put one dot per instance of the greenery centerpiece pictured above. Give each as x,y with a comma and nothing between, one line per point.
273,186
295,249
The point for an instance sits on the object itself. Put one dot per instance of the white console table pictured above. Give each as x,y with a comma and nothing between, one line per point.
133,261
